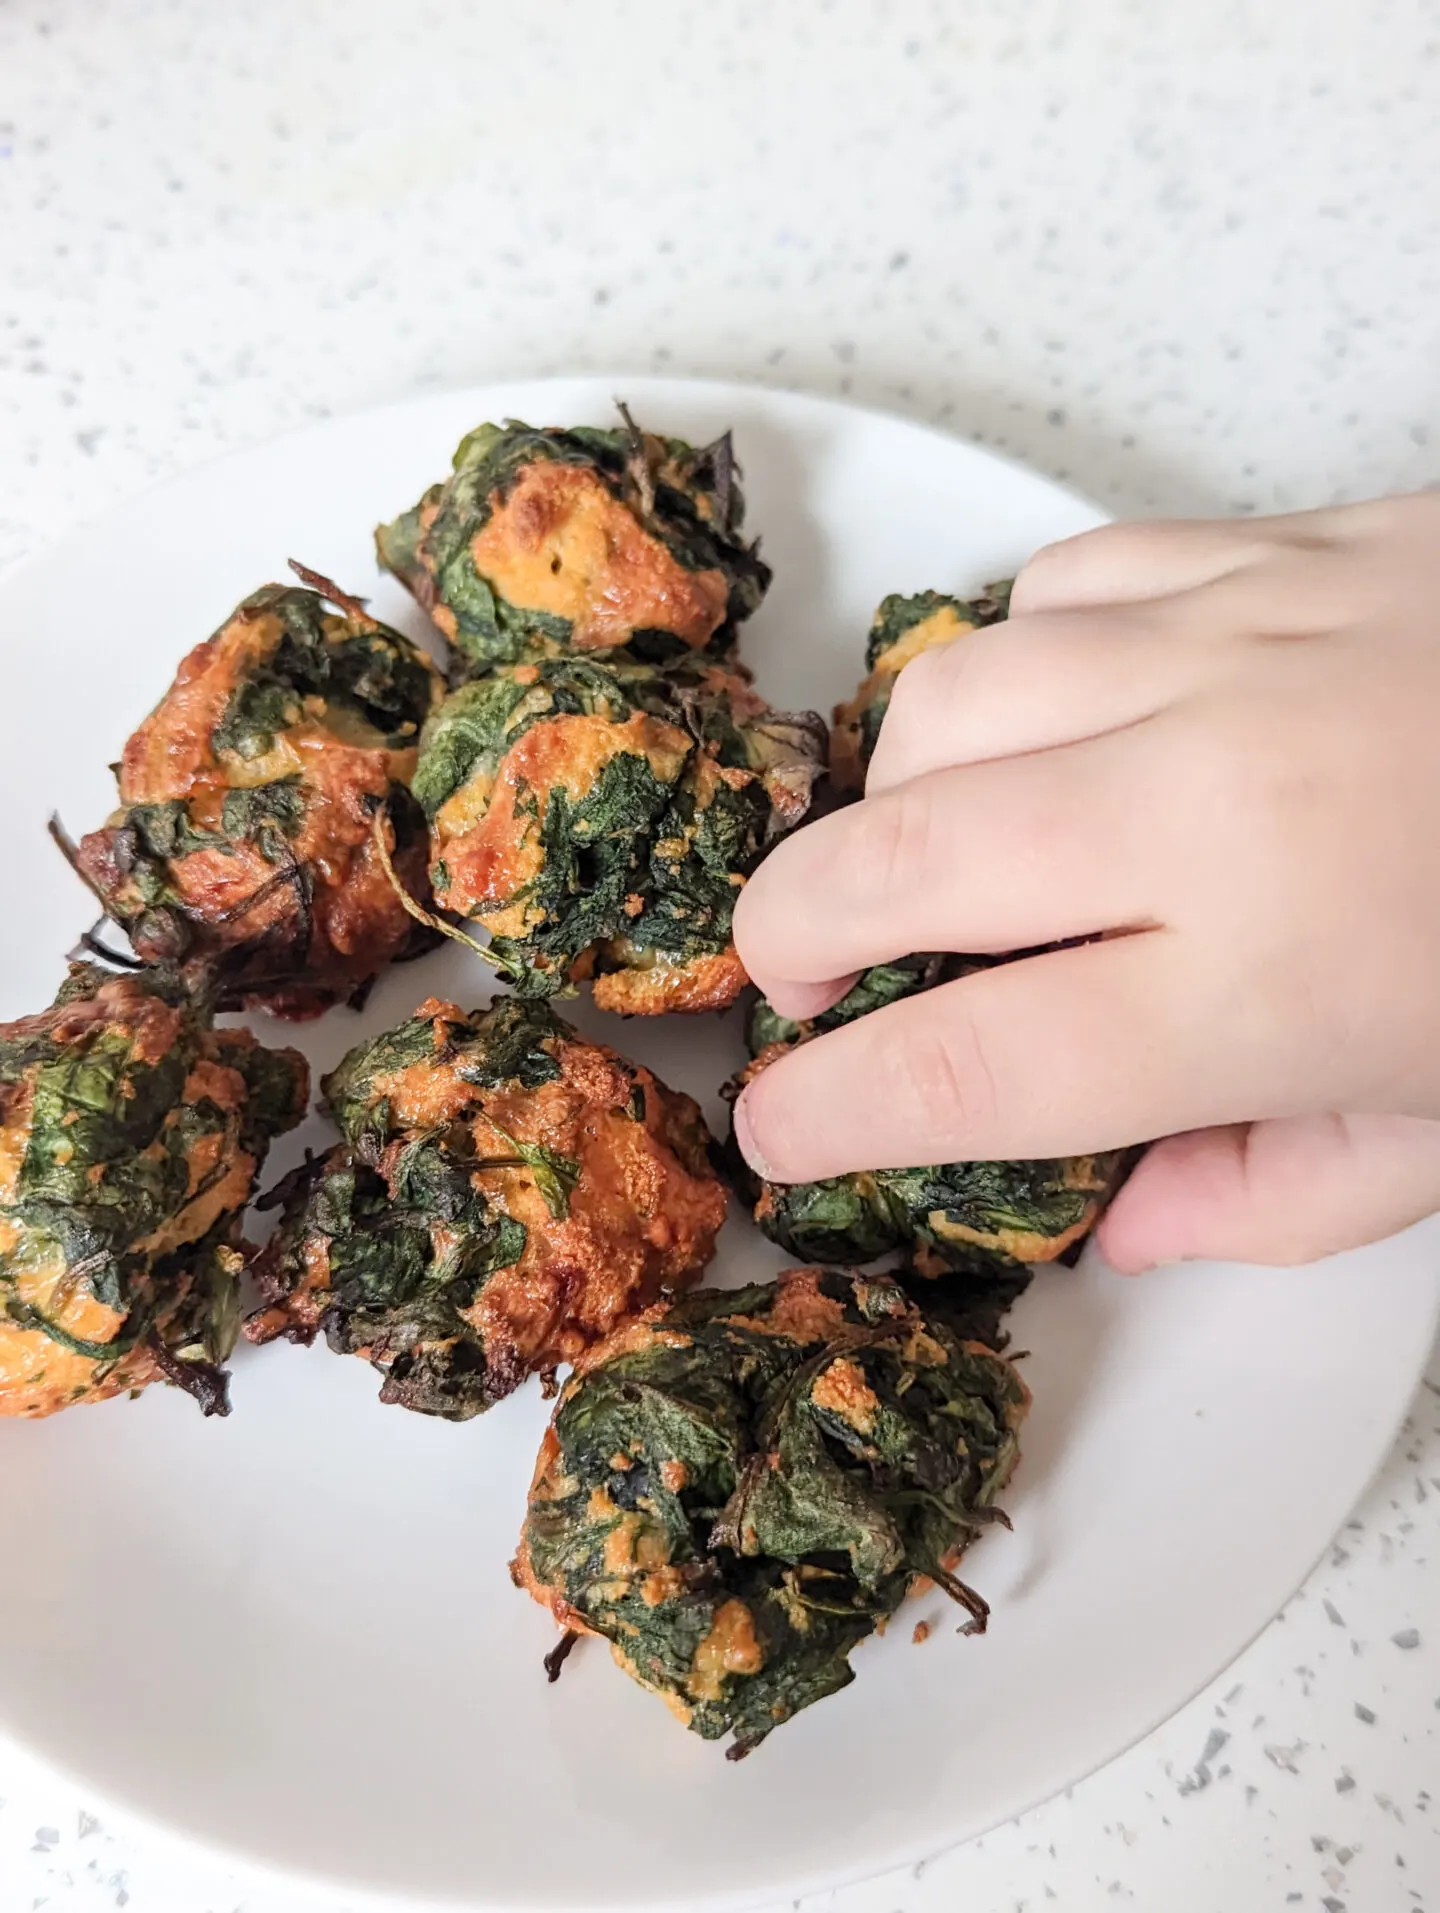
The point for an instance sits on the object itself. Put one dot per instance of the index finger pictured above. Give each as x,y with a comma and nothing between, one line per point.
1062,1054
1164,557
983,858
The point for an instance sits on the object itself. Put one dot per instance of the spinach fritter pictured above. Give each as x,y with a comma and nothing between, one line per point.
131,1133
943,1216
505,1194
549,541
902,629
736,1490
599,815
243,850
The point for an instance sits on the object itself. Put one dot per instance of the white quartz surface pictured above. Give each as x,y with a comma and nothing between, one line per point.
1182,254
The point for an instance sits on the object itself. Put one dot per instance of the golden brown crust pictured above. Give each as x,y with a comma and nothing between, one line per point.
710,982
729,1648
302,1312
641,1209
39,1374
801,1310
355,922
562,543
153,1026
848,763
171,754
488,836
843,1390
1085,1174
642,1217
39,1378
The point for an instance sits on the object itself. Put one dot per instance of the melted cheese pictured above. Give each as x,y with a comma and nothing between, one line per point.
843,1390
729,1648
654,988
1022,1245
801,1310
634,1544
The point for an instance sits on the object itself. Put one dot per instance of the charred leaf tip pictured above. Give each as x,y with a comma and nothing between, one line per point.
555,1660
329,590
90,945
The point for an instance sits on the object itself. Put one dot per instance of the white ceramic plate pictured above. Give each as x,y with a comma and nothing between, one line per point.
290,1636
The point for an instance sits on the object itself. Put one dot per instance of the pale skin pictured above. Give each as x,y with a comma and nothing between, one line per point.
1215,746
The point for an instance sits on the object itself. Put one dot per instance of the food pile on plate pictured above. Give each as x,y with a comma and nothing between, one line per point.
736,1488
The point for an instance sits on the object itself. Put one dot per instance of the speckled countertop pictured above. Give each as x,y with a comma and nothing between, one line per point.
1184,256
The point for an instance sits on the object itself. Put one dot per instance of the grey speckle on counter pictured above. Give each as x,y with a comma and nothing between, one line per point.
1185,256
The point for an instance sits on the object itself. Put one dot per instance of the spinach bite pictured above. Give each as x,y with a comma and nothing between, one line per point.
505,1194
736,1490
244,847
599,815
544,542
944,1217
902,628
131,1134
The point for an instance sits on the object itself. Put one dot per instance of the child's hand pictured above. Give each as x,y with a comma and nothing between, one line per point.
1221,744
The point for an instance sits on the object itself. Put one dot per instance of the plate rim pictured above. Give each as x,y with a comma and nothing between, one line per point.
299,1879
321,1887
820,401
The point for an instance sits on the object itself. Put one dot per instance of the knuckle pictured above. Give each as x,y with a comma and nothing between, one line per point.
1090,565
946,1079
764,913
917,711
897,836
923,678
1042,577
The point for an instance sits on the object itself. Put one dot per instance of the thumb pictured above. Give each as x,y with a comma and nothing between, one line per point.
1284,1191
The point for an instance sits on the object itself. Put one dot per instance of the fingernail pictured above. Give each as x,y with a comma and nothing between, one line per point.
1167,1261
1125,1265
745,1137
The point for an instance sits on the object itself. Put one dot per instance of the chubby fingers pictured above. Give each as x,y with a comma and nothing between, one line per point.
1127,563
1055,1055
987,857
1120,625
1045,679
1284,1191
1132,564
